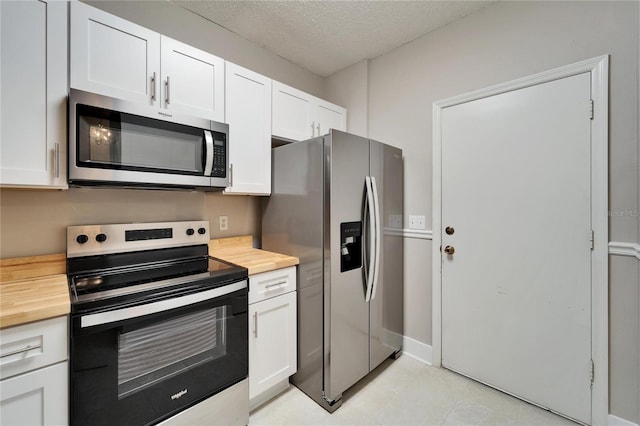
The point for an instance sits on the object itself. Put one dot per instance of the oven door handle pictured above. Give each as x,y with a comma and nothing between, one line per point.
108,317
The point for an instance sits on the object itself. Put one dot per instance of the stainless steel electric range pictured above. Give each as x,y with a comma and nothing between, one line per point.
158,328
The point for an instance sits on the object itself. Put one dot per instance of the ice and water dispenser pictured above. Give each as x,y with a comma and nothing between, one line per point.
350,246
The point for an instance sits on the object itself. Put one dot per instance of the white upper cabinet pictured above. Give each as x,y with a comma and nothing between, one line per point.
329,116
248,112
298,115
33,83
114,57
292,113
192,80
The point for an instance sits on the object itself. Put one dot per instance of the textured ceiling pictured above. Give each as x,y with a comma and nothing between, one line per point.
325,36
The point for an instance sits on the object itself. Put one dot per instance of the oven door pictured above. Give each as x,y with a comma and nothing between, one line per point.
137,365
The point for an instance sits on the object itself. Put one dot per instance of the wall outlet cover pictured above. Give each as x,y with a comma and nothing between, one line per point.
223,222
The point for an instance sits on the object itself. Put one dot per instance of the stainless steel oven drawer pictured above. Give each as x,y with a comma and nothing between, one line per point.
229,407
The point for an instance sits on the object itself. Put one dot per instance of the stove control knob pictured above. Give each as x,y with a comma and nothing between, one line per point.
82,238
190,231
101,238
202,231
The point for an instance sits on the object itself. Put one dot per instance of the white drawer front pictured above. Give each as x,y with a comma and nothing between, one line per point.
273,283
34,345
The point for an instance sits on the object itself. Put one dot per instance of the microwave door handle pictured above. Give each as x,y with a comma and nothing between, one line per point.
208,164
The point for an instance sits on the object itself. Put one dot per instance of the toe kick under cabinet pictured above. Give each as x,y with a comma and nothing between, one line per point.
272,332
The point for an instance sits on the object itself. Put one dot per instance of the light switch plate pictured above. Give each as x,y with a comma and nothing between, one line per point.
416,222
395,221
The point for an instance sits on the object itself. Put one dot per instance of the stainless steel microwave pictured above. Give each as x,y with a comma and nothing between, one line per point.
118,143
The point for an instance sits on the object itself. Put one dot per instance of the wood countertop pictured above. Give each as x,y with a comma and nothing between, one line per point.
33,299
35,288
239,251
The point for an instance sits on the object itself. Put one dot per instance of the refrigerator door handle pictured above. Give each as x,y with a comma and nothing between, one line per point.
371,238
378,238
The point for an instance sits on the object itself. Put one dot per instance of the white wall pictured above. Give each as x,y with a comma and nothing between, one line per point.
505,41
350,88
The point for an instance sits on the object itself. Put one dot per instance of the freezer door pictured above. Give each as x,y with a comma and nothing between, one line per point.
292,223
386,306
346,313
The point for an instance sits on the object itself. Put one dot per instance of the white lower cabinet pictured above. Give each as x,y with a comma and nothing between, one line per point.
40,397
34,389
272,339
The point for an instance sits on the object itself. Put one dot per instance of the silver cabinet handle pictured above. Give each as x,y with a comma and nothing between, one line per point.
231,174
153,87
313,131
19,351
56,164
255,325
318,127
166,91
275,284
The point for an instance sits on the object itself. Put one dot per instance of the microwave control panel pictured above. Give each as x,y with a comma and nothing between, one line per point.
219,157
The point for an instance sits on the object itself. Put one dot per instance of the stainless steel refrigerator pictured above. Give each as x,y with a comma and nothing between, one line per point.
336,204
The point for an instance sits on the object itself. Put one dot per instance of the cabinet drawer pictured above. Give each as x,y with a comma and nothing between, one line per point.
35,345
273,283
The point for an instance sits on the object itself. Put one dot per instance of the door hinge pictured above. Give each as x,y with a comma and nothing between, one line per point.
591,109
591,238
592,372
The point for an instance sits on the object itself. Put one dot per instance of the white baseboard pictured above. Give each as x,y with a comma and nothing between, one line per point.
617,421
268,395
416,350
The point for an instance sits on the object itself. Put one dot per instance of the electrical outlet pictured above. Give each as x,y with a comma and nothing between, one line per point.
416,222
223,221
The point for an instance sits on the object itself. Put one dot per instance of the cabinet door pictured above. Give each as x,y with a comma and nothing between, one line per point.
330,116
293,113
40,397
272,342
113,57
248,111
33,81
192,81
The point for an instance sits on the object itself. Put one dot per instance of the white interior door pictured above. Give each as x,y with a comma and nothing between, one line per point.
516,293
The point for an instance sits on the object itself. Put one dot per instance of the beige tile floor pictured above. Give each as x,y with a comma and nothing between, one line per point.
407,392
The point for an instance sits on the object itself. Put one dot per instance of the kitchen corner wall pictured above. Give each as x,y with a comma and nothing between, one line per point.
503,42
34,222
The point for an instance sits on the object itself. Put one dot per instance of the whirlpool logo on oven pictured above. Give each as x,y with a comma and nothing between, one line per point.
179,394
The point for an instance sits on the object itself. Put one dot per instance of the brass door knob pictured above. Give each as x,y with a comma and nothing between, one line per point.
449,230
449,250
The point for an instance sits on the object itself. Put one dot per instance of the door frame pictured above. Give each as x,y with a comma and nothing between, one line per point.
599,69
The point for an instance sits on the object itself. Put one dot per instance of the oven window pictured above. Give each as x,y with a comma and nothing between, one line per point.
157,352
111,139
